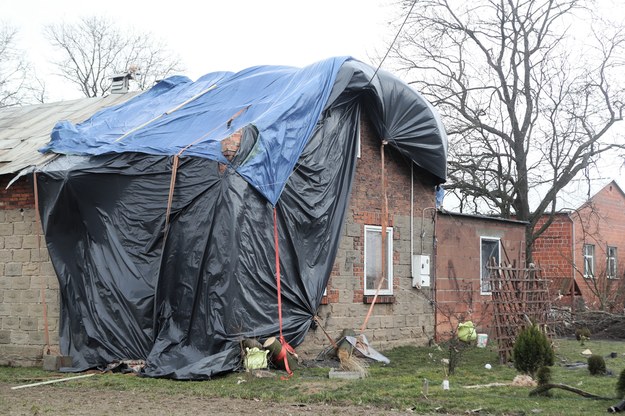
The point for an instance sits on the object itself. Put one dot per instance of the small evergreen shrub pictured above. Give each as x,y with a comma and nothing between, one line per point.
596,365
582,334
620,385
543,376
532,350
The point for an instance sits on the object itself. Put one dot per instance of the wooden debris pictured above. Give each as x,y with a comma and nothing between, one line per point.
58,380
481,386
275,351
546,387
251,343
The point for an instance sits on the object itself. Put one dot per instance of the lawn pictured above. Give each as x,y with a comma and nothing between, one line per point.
399,385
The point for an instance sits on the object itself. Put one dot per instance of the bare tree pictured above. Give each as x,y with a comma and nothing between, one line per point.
94,49
13,69
527,96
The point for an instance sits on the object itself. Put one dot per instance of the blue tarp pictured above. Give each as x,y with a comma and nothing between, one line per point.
283,103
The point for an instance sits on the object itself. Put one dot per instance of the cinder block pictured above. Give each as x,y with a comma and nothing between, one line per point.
6,229
13,269
13,241
56,362
346,375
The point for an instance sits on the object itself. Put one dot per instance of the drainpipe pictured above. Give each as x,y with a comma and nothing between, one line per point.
573,266
433,273
412,220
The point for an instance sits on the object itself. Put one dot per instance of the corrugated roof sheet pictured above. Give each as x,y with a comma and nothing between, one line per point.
24,130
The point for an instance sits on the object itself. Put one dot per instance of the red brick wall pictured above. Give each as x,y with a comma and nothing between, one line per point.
602,222
19,196
458,295
553,254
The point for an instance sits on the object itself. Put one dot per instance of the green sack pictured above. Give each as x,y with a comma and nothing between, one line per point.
466,332
255,358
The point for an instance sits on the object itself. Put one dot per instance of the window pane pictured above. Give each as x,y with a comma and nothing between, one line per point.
611,272
589,260
373,260
490,249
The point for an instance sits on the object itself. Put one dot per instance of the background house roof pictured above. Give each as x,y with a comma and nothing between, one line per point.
24,130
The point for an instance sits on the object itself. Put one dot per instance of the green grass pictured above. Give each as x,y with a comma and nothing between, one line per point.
395,386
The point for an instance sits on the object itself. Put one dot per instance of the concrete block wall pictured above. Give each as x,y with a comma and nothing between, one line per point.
25,271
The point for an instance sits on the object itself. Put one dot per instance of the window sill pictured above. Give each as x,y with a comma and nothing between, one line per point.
368,299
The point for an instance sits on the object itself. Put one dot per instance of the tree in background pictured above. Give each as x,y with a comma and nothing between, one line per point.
17,82
528,91
94,49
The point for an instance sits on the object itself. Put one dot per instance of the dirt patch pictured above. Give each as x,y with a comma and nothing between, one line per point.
47,400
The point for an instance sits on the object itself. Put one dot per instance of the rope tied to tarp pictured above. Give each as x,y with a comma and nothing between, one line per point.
286,348
44,305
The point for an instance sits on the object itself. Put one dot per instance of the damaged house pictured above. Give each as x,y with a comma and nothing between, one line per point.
241,205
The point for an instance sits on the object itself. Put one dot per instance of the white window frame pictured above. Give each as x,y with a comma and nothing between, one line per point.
612,266
482,268
589,261
389,260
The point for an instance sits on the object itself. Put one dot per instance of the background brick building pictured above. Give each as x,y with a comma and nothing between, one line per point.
583,252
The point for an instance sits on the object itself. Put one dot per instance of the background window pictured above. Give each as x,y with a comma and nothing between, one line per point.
589,260
489,249
373,260
611,270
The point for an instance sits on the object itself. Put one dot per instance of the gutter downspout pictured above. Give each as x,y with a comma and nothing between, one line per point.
573,266
433,274
412,273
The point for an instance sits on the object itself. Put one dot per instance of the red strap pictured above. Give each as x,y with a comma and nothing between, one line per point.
286,348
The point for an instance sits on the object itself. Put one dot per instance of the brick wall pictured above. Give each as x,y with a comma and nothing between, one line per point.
25,267
458,262
601,222
406,317
559,251
553,253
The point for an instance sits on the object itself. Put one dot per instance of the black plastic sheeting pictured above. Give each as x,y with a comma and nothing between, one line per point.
184,307
183,296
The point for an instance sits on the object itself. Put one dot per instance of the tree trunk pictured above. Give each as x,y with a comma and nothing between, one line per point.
546,387
275,352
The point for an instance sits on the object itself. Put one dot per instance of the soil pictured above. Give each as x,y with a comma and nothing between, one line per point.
47,400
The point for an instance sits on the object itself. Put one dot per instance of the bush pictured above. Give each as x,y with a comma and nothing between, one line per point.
596,365
620,385
543,376
532,350
582,334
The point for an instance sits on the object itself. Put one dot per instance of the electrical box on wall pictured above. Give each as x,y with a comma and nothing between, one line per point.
421,270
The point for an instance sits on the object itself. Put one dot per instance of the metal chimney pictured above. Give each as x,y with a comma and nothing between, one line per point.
120,83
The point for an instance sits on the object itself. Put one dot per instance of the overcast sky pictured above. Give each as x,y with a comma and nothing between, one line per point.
217,35
233,35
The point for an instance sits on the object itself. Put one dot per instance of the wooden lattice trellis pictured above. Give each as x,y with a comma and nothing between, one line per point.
519,296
